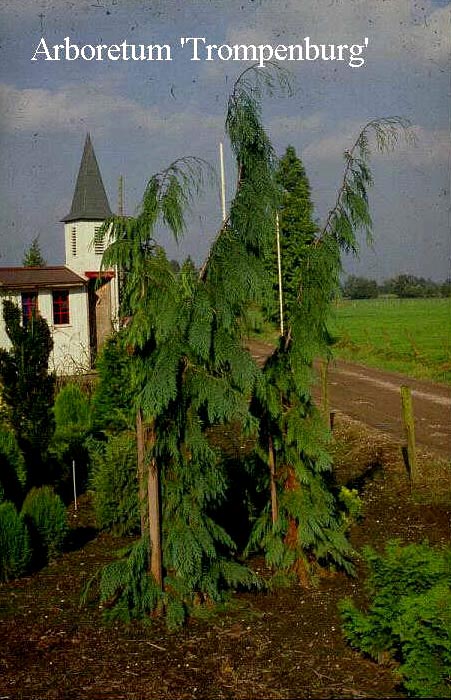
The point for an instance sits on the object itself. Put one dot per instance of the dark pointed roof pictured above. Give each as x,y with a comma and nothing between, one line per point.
90,202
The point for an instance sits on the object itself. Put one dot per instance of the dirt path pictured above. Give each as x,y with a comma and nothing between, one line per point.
372,396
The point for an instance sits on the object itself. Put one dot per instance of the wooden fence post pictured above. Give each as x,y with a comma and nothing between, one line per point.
329,416
409,427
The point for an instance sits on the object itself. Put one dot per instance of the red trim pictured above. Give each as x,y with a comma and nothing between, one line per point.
105,274
60,300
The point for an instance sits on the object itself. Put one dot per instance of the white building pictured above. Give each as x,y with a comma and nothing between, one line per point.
78,300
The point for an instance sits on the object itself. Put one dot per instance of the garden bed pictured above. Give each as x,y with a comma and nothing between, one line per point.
282,644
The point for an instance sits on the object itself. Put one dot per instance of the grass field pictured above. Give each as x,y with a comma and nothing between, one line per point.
412,336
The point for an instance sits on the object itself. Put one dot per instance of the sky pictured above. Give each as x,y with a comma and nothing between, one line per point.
142,115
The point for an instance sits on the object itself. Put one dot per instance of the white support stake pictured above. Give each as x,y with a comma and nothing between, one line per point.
223,187
279,271
75,485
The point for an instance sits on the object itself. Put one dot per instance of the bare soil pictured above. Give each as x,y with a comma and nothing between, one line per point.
283,644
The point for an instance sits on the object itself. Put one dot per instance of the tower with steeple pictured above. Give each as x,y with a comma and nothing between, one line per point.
89,210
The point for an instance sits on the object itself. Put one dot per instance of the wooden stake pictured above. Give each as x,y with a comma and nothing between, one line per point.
279,272
75,485
141,475
223,186
409,427
325,388
272,478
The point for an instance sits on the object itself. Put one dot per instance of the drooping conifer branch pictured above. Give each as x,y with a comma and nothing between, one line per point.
350,212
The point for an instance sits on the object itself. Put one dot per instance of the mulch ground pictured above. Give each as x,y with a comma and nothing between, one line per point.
283,644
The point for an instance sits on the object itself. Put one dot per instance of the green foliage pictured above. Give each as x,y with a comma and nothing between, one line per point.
46,517
445,288
126,587
113,478
28,388
352,503
73,423
128,591
412,287
12,467
33,256
360,288
72,412
15,552
408,617
112,399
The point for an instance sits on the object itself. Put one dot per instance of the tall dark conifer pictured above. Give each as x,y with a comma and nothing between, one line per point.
297,226
28,389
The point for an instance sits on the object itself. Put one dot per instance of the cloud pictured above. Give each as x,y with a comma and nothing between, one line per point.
34,109
429,147
64,109
295,124
395,28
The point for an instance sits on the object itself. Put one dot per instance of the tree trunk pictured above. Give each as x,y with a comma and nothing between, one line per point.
291,538
272,477
153,499
149,497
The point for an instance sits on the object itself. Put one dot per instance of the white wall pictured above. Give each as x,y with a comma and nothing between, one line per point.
71,353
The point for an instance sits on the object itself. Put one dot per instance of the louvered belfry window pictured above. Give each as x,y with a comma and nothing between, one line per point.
98,244
73,241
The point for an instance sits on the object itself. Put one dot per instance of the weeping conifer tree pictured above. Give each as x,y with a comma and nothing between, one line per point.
188,366
302,524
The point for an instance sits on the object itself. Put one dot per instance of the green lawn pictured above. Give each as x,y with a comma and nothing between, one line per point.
412,336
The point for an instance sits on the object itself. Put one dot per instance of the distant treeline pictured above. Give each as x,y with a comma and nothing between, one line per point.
402,286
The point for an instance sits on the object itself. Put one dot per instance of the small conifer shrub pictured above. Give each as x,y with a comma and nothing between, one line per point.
408,617
46,517
15,549
12,467
115,485
72,412
73,419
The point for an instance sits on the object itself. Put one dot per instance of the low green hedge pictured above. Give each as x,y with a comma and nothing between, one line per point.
46,517
15,551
